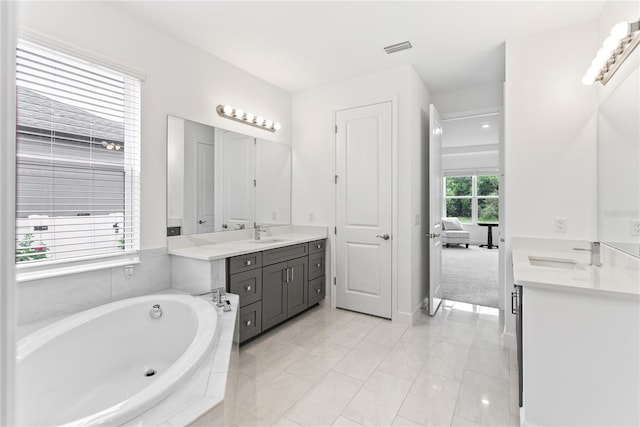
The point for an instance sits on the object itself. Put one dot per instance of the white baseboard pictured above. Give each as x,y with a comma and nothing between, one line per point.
403,317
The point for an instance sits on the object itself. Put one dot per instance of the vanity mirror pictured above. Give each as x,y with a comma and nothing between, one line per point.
218,180
619,167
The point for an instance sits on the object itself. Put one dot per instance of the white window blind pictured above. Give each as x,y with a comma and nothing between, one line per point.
78,159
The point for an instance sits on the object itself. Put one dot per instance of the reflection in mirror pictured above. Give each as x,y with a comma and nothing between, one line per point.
619,167
218,180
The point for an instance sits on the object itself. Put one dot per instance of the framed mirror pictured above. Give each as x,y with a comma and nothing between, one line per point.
619,167
219,180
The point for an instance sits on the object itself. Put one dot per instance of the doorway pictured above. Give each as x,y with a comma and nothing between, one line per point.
364,209
471,208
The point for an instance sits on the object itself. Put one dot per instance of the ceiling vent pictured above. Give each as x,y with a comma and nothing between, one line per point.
398,47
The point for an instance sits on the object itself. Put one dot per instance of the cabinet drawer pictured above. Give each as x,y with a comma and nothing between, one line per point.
250,321
316,265
317,246
248,285
245,262
316,290
284,254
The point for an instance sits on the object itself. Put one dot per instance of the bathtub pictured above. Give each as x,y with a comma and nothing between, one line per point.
106,365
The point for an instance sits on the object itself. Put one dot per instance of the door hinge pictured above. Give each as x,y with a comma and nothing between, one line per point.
254,183
335,179
334,281
336,129
335,230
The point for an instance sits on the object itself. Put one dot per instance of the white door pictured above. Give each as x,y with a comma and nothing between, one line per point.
239,160
204,183
363,209
435,210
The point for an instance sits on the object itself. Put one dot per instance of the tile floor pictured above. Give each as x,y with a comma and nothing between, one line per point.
331,367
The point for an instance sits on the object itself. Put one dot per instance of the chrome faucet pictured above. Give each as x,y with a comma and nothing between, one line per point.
217,296
257,229
595,253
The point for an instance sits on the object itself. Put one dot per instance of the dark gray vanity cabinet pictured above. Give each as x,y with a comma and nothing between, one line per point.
276,284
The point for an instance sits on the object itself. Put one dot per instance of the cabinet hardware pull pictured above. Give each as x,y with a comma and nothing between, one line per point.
318,265
514,303
318,246
248,288
292,274
248,262
248,323
318,290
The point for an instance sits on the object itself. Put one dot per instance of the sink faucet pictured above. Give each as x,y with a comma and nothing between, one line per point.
595,253
217,296
257,230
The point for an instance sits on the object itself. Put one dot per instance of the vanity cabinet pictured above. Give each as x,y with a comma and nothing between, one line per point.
276,284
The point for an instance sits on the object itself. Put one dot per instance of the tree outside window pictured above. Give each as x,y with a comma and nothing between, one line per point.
472,198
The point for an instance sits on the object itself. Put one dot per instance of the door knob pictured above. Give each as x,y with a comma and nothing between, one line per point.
384,236
202,221
433,235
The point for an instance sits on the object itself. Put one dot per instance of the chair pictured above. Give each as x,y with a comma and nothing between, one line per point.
454,233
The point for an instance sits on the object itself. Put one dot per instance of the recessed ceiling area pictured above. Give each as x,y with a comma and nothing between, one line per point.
297,45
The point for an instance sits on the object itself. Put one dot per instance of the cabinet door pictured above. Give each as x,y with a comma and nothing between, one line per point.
297,286
274,295
316,290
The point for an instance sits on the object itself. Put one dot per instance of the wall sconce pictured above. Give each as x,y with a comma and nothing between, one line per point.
228,112
624,38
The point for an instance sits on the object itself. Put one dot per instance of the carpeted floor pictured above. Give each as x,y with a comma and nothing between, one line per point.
470,275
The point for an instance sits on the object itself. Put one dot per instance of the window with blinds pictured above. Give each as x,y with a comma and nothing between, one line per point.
78,159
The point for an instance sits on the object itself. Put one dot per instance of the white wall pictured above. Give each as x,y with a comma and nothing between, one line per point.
313,163
550,138
461,102
181,80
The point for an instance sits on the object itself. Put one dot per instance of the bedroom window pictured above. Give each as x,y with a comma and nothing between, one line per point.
472,198
78,160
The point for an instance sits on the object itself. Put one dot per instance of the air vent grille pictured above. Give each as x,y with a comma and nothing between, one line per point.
398,47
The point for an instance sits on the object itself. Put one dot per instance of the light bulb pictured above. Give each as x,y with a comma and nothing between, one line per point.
227,109
610,44
249,117
239,114
593,72
598,62
277,125
259,121
588,80
620,30
268,123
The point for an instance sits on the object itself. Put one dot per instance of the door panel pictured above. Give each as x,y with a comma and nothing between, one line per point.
274,295
363,209
435,210
205,181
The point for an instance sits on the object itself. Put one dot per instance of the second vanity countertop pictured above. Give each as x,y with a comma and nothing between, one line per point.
619,274
224,245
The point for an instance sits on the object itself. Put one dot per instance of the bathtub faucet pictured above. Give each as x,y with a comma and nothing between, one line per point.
217,296
155,312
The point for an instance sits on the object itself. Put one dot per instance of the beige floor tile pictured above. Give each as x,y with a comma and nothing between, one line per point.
345,422
325,401
320,360
457,332
461,422
387,333
403,422
431,400
285,422
362,360
405,359
489,359
447,359
484,400
378,401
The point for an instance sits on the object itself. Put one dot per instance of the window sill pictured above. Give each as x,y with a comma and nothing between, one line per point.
26,273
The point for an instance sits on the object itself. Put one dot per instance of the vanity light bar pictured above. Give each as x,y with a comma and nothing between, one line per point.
228,112
624,38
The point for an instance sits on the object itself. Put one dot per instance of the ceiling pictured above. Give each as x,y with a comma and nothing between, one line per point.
296,45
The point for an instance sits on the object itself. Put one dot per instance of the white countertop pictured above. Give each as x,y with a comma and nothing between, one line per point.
618,275
216,246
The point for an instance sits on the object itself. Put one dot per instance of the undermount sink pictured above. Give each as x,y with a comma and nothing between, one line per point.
269,240
567,264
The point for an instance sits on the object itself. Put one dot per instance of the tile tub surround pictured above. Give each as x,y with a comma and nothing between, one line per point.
328,367
619,274
53,297
216,246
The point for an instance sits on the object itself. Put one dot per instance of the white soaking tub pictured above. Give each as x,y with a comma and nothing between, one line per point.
106,365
